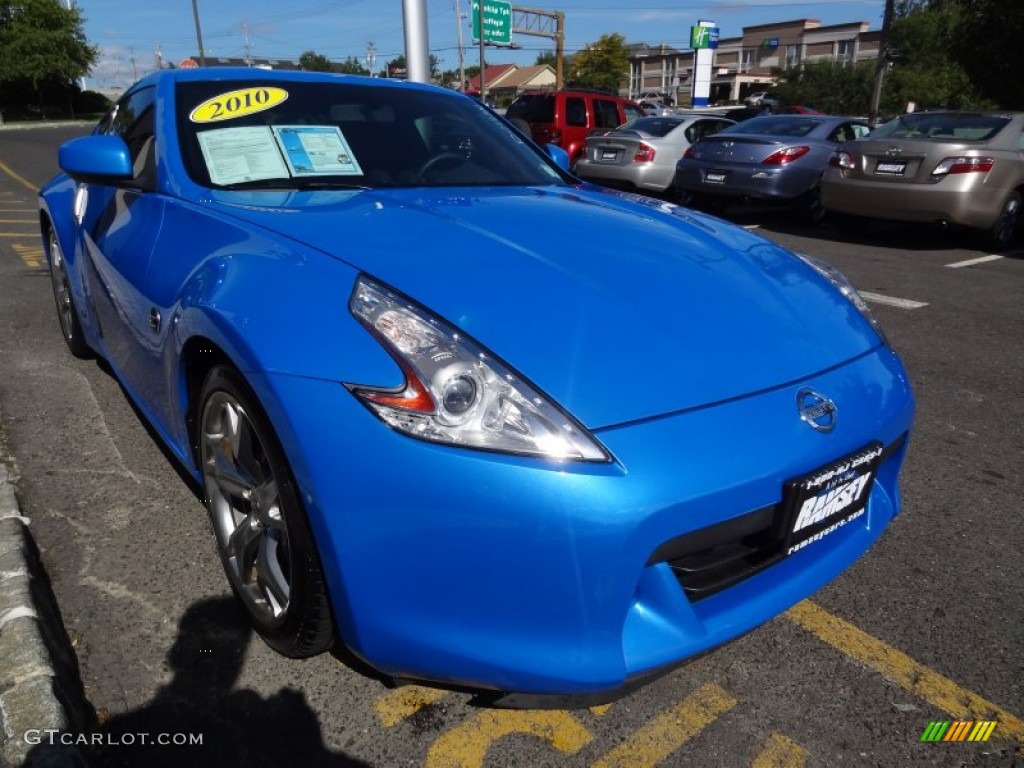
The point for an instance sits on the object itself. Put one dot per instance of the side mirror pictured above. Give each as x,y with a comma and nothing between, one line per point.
96,159
559,155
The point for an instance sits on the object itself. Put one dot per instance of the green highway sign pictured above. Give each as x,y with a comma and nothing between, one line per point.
497,21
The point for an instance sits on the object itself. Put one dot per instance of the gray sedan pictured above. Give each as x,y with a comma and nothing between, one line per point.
642,153
963,168
774,157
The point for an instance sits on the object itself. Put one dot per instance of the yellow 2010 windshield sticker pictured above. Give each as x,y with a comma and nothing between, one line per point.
244,101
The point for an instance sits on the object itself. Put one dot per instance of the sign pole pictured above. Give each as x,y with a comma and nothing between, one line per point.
483,79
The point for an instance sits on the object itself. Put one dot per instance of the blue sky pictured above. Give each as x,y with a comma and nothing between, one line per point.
128,32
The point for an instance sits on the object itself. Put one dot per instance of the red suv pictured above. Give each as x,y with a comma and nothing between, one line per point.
565,118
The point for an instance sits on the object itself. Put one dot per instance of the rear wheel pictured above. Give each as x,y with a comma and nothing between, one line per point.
262,535
70,326
808,206
1000,235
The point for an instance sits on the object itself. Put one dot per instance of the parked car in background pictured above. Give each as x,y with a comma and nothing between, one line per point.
777,158
762,99
642,154
963,168
655,108
453,410
565,118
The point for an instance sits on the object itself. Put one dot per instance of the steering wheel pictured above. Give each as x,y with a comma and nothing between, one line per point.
453,157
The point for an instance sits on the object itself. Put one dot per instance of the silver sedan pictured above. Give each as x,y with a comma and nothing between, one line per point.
642,153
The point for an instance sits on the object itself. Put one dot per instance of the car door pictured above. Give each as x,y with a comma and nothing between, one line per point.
119,225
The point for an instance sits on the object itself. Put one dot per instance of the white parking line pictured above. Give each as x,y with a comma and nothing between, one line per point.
749,227
878,298
972,262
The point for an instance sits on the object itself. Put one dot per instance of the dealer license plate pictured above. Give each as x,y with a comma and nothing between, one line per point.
891,169
715,178
609,154
830,497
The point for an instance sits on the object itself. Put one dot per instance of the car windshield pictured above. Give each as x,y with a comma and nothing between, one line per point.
652,126
775,125
942,126
302,135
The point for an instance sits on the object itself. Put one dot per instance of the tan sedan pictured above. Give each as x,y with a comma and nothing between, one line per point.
944,167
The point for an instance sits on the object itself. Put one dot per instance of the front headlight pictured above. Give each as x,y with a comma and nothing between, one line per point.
845,287
455,391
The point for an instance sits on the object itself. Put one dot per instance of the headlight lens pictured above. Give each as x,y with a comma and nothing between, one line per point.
455,391
845,287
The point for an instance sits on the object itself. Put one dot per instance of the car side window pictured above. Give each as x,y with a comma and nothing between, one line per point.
842,134
606,114
132,120
575,111
631,112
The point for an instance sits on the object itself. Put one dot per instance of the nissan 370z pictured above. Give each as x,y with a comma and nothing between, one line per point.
452,408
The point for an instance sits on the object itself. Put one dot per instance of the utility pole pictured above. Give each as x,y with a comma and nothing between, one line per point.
248,44
371,58
159,54
882,63
199,33
135,71
462,50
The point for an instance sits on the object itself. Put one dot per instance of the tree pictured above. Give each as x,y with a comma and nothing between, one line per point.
311,61
547,57
828,86
352,66
604,64
397,67
43,49
987,44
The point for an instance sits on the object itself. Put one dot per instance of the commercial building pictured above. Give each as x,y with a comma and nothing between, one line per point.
745,64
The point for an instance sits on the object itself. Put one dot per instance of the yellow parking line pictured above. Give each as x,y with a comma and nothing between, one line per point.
19,221
32,255
600,710
667,732
13,234
895,665
20,179
780,751
405,702
466,745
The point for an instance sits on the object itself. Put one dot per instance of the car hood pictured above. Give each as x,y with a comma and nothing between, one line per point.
619,307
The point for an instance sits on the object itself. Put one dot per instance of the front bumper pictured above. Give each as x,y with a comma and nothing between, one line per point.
512,574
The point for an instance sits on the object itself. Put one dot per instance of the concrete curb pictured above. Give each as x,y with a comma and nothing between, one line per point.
40,688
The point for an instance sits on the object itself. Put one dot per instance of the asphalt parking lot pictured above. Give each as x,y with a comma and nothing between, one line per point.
926,628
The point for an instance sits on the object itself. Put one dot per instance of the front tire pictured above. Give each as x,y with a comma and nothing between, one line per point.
260,527
67,313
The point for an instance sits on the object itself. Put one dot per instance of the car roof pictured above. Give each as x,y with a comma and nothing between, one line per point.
242,74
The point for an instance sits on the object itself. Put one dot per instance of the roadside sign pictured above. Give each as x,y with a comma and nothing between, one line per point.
703,37
497,21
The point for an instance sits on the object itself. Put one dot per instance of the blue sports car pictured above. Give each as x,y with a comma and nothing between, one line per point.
440,405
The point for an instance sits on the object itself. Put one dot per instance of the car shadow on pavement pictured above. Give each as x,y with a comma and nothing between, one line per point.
236,726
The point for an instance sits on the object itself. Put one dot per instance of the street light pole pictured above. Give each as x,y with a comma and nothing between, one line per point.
199,33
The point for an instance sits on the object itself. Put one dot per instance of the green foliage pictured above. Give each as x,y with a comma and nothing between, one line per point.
311,61
43,51
352,66
828,86
987,42
547,57
603,64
